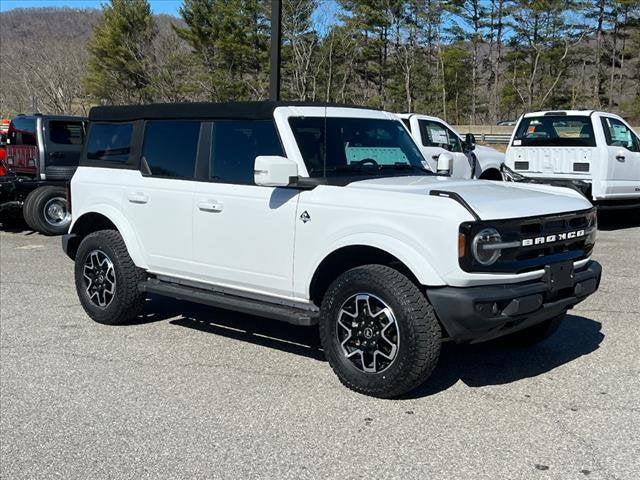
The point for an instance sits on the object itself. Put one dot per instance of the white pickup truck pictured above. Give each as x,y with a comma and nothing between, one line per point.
436,137
596,153
320,216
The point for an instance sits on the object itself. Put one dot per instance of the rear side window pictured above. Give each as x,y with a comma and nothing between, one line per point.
22,131
435,134
619,135
555,131
235,146
171,147
66,133
110,142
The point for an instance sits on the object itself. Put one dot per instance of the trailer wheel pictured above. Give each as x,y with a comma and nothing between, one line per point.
45,210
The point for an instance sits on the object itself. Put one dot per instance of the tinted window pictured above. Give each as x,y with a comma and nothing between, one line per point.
555,131
436,134
171,147
619,135
235,146
110,142
22,131
335,146
66,133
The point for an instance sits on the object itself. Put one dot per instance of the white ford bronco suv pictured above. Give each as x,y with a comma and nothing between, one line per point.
320,215
436,138
596,153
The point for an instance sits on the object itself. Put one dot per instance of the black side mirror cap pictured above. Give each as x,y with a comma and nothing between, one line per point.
470,141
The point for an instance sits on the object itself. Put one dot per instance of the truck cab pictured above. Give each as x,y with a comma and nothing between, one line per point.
436,137
597,153
42,154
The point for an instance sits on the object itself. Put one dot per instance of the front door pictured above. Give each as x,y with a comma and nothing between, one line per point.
436,139
623,166
243,234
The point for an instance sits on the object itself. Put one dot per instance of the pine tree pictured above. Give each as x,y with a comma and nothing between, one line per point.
120,52
230,40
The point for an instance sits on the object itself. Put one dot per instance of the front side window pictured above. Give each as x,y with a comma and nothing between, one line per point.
235,146
555,131
66,133
619,135
335,146
171,147
110,142
435,134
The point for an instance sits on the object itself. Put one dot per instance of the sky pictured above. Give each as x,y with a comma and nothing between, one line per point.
169,7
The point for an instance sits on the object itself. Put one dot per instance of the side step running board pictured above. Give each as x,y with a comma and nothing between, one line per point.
285,313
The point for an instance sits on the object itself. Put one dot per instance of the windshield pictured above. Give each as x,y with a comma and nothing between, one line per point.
332,146
555,131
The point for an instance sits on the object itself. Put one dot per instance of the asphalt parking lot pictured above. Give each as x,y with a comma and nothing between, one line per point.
195,392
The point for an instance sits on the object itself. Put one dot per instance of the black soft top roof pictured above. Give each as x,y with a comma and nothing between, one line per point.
228,110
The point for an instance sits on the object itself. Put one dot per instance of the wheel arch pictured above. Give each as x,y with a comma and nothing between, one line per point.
492,173
105,218
351,255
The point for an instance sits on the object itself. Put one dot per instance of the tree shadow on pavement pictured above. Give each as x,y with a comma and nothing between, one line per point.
490,363
495,363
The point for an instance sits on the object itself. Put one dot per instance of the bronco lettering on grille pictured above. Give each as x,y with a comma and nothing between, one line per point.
557,237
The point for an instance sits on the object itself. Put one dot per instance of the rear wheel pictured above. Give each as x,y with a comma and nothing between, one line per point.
46,211
379,333
107,279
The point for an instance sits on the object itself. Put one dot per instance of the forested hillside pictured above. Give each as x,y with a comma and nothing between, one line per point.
469,61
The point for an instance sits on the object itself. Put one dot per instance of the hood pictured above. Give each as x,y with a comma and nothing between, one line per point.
490,200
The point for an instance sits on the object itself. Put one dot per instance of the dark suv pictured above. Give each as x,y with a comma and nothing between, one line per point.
42,154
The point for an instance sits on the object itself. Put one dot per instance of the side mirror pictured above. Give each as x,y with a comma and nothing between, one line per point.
274,171
445,164
470,142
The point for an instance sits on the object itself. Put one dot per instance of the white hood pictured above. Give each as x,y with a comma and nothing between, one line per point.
490,200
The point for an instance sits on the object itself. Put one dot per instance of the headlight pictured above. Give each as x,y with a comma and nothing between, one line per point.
484,247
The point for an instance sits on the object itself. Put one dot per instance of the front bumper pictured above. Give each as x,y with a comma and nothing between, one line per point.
475,314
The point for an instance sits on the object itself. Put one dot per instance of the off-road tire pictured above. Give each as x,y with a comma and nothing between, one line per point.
128,301
419,331
34,210
534,334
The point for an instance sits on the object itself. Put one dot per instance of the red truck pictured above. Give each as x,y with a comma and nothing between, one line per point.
41,156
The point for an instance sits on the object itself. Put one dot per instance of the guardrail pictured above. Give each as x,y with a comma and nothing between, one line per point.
494,134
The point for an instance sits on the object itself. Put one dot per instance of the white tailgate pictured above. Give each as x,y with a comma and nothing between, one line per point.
548,161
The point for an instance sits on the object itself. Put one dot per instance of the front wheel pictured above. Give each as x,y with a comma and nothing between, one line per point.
379,333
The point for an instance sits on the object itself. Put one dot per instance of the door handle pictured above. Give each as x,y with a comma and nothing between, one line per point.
138,197
435,157
210,206
620,157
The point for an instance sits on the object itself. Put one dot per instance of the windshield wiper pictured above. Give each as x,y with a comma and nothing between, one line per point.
405,166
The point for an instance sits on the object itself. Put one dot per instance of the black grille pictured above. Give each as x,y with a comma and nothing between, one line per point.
521,165
535,256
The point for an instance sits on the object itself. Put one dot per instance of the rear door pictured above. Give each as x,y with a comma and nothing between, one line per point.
63,140
623,161
158,199
436,139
